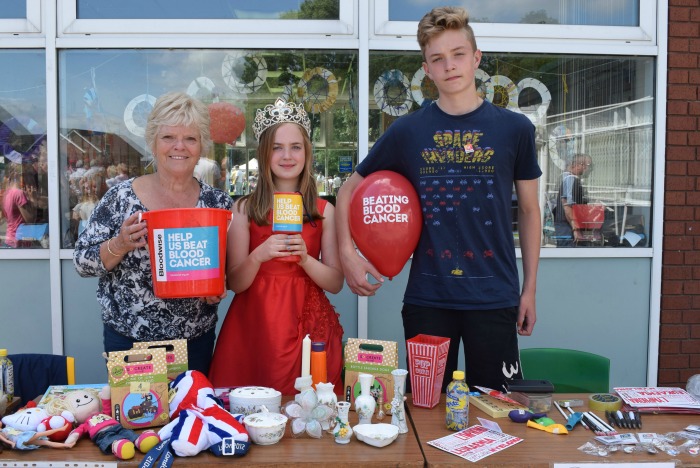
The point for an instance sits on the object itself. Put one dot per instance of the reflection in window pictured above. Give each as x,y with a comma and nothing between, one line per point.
12,9
221,9
105,97
23,156
575,12
598,106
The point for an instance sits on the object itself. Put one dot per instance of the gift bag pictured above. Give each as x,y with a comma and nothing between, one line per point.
374,357
139,385
175,354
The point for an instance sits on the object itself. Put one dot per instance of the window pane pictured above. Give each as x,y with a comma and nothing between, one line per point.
596,105
210,9
105,97
579,12
13,9
23,157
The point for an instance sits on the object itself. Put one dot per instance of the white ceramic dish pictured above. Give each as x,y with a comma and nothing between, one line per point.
265,428
377,435
249,400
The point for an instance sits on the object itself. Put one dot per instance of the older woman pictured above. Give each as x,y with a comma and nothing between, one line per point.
113,246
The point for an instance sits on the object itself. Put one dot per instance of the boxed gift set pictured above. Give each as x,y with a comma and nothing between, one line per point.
374,357
139,387
175,354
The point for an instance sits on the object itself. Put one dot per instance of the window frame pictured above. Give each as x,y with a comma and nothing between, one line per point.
31,23
645,33
69,24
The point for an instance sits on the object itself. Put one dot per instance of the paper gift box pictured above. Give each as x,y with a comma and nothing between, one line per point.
139,385
427,356
374,357
175,354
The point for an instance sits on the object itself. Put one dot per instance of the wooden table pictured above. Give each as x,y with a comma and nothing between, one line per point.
538,448
404,452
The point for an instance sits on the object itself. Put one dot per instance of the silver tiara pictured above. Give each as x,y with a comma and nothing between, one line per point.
279,112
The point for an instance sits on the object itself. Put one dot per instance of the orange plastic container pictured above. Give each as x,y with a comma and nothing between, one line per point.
188,251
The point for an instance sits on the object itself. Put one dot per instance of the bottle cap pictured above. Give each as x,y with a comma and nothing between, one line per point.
3,352
318,346
458,375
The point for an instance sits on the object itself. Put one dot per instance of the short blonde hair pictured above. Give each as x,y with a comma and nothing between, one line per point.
177,108
441,19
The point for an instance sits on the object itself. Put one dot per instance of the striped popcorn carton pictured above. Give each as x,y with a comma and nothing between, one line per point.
427,356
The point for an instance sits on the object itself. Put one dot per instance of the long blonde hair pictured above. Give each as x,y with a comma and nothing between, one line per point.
259,202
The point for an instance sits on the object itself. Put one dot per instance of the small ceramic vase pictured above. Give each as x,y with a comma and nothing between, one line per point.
327,397
398,411
342,431
365,404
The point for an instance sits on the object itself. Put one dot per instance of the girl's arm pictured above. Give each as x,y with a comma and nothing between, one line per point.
327,273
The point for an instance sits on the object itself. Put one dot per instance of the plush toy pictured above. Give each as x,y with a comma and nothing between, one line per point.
199,420
62,424
22,432
92,415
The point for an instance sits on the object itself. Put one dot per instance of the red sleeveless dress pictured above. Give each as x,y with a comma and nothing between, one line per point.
261,338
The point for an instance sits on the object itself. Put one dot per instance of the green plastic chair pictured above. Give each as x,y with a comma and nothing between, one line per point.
570,371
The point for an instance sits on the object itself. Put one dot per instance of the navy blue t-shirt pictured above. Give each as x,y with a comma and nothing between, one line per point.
463,168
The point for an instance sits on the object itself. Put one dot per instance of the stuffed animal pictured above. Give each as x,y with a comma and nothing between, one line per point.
199,420
62,424
92,415
21,429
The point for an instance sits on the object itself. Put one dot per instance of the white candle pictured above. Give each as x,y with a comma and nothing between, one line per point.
306,356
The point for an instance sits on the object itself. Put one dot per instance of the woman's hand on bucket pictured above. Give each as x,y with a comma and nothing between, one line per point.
133,233
213,299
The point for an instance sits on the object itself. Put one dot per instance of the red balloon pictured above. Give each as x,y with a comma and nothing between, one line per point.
227,122
385,220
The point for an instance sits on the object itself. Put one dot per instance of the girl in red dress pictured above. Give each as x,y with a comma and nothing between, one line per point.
277,303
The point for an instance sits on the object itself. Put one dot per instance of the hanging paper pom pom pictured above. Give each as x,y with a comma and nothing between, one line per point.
227,122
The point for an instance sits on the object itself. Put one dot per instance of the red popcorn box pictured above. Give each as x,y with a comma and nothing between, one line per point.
427,356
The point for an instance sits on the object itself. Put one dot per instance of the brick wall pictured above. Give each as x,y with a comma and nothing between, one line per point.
679,350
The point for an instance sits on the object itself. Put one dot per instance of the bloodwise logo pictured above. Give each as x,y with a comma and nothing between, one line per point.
160,255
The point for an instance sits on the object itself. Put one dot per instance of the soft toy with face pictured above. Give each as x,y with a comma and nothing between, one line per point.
93,416
83,404
26,419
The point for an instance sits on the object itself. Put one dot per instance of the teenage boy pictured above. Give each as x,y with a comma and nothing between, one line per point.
463,155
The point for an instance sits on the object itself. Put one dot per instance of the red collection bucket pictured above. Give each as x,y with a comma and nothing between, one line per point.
188,251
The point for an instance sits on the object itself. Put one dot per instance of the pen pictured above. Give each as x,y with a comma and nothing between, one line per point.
621,418
616,418
609,417
633,419
628,419
639,418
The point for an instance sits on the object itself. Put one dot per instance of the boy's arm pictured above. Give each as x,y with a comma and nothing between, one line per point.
355,267
530,231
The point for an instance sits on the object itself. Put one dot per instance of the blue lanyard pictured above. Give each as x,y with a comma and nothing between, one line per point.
160,456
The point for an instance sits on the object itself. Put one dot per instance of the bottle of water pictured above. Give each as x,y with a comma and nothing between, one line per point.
457,402
7,375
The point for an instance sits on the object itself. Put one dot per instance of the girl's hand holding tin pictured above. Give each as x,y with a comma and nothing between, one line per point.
276,246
